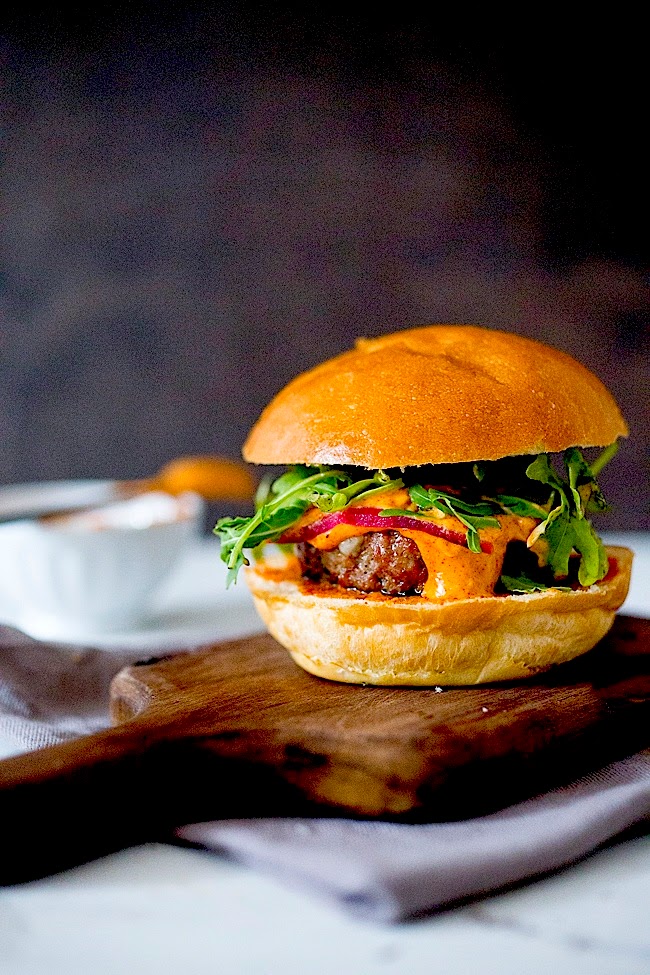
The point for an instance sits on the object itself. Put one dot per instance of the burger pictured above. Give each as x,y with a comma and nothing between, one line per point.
433,525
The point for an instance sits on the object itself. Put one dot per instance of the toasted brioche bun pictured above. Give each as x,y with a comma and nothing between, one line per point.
358,638
437,394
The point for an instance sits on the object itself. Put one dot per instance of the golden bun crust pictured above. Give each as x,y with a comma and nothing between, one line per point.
351,637
436,394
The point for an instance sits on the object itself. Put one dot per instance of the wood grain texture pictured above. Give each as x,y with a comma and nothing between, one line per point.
239,730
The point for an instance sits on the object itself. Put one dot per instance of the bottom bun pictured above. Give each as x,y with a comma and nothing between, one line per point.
360,638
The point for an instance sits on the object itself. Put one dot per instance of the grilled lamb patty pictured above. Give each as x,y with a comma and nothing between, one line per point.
377,562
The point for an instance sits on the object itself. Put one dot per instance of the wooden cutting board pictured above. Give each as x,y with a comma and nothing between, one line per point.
239,730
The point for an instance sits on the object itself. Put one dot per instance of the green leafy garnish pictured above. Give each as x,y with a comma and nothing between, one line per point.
562,519
521,507
472,516
399,513
283,501
566,528
523,584
559,503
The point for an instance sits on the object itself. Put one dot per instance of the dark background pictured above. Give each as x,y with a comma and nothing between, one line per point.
198,205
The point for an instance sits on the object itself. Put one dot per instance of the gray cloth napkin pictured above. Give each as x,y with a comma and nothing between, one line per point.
382,871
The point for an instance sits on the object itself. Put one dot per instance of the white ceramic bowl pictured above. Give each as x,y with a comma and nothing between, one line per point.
93,571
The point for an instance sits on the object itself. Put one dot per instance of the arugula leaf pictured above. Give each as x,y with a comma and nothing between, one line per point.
281,503
399,512
582,480
286,501
523,584
575,467
562,520
432,497
522,507
566,529
593,558
560,538
472,516
541,470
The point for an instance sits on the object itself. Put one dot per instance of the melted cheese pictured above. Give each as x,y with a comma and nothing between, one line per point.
453,571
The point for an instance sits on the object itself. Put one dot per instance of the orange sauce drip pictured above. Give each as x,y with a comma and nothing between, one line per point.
456,573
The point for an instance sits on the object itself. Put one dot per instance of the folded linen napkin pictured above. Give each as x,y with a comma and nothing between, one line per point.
383,871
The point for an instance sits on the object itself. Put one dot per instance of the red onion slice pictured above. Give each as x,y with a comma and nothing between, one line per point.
371,518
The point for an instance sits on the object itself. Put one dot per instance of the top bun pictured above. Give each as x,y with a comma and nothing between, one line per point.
432,395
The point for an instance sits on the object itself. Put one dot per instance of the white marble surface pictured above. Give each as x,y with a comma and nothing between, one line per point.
159,909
